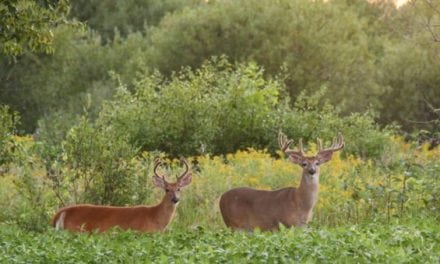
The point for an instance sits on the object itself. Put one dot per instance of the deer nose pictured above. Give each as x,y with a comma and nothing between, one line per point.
175,200
312,171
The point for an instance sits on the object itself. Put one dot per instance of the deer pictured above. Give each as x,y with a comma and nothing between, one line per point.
247,209
90,218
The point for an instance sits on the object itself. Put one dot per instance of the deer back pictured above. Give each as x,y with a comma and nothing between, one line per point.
86,217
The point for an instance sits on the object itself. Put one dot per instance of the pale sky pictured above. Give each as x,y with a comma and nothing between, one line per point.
400,2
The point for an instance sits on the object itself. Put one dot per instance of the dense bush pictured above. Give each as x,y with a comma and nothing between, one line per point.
221,108
216,109
99,168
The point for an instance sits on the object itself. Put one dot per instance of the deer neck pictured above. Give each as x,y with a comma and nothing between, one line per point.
307,192
165,210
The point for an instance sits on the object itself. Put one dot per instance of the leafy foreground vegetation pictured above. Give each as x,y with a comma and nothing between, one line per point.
416,242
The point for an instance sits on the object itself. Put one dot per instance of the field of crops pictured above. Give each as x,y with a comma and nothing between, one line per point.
415,242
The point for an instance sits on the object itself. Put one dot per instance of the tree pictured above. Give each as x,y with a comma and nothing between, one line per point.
126,16
39,86
429,17
26,25
410,66
322,44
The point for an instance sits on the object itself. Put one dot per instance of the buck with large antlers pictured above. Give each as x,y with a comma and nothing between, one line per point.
141,218
247,208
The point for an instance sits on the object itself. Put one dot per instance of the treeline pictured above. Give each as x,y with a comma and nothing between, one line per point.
355,56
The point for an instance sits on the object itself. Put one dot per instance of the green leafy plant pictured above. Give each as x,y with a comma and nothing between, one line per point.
8,123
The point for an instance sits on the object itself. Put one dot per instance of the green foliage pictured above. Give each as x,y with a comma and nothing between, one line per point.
8,123
32,210
221,108
216,109
309,119
370,57
319,43
126,16
27,25
89,166
426,15
38,87
98,167
410,71
415,242
24,193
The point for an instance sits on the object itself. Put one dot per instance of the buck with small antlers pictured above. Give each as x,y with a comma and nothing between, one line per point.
141,218
247,208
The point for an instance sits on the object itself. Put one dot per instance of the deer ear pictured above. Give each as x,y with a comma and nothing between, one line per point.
296,158
159,182
185,180
325,156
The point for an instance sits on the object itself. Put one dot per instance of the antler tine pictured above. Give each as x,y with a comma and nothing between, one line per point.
319,144
337,144
186,168
157,163
300,146
285,143
341,140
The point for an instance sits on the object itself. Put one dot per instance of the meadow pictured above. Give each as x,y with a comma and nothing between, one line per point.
383,211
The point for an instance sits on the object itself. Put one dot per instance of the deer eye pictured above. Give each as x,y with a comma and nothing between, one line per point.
178,189
167,190
304,164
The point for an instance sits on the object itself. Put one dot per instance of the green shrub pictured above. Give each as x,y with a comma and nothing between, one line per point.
99,167
8,123
216,109
221,108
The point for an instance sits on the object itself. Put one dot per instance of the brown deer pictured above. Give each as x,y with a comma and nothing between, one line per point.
247,208
88,217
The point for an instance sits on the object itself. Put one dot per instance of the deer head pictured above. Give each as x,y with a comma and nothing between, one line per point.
172,190
310,165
